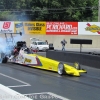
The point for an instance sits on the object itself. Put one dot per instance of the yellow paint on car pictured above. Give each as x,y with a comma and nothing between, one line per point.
50,64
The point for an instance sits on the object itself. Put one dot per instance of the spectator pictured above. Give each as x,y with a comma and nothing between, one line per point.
46,41
63,42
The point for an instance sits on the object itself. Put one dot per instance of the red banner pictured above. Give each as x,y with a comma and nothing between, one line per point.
62,28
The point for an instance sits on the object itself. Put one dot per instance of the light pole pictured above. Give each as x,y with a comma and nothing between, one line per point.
99,12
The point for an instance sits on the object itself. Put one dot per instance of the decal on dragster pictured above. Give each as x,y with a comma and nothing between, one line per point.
38,62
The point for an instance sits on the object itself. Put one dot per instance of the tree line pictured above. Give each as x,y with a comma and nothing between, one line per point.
49,10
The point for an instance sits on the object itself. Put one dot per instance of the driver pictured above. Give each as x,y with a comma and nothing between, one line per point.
28,51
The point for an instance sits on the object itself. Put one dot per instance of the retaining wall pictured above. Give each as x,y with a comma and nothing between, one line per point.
82,58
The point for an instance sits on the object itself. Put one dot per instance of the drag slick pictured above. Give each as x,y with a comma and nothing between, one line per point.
28,58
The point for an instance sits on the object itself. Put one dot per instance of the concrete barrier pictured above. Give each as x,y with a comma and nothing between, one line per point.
82,58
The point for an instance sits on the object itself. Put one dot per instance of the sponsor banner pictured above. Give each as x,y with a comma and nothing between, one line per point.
35,27
88,28
62,28
6,27
19,27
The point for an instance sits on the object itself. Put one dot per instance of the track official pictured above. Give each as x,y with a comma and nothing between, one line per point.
63,42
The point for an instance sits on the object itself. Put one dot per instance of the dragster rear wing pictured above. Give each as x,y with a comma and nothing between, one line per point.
14,33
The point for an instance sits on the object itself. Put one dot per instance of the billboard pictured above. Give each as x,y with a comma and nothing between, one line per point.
62,28
35,27
6,27
88,28
19,27
30,27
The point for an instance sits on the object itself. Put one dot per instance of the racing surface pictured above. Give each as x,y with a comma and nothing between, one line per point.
40,85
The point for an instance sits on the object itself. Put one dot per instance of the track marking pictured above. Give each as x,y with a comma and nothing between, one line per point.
49,93
18,86
37,93
9,94
14,79
58,96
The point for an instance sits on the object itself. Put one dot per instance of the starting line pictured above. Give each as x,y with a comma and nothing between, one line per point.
9,94
15,79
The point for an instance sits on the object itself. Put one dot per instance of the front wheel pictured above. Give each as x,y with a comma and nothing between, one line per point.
77,66
61,69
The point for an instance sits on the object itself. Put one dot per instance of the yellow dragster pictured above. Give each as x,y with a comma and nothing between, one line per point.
53,65
34,60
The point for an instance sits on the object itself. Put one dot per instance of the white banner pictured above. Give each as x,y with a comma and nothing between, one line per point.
6,27
88,28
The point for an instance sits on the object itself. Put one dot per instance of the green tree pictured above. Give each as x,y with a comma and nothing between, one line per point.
49,10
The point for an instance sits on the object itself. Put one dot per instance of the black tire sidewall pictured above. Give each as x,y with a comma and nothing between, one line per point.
4,60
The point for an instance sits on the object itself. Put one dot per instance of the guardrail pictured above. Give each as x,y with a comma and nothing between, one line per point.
82,58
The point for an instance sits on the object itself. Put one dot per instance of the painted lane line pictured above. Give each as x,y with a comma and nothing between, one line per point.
18,86
14,79
9,94
37,93
49,93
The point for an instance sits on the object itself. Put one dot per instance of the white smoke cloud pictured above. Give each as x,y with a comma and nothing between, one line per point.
6,47
18,38
3,45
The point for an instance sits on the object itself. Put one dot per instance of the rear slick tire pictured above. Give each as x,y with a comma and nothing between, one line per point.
4,60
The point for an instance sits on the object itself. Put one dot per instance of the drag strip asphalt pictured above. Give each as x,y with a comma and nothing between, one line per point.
38,83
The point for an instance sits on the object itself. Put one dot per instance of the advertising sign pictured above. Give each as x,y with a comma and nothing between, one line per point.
88,28
35,27
19,27
62,28
6,27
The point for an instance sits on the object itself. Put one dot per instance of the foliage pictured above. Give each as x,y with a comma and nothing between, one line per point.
49,10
